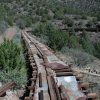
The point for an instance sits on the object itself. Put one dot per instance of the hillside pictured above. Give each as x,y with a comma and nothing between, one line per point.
88,7
48,19
71,28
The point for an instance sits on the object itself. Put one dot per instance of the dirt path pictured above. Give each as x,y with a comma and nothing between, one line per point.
10,32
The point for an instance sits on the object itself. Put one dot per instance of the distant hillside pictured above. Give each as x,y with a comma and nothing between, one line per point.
26,12
89,7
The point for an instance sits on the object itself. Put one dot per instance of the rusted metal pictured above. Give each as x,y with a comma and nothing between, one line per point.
64,74
5,87
63,70
56,66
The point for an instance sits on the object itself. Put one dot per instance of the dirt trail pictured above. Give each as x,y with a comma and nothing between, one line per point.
10,32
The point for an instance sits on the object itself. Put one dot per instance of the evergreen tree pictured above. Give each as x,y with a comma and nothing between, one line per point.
10,56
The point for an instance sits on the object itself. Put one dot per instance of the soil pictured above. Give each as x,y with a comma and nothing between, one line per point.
10,32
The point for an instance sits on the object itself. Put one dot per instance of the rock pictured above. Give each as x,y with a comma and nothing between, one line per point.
20,93
10,96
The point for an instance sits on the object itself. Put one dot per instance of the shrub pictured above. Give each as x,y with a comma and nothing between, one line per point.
44,18
12,67
10,21
97,48
80,24
90,24
68,21
41,11
77,17
74,42
23,21
98,17
3,26
57,39
17,76
84,17
80,58
20,23
35,19
41,29
59,14
88,46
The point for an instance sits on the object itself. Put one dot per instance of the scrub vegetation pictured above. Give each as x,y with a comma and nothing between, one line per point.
12,65
48,17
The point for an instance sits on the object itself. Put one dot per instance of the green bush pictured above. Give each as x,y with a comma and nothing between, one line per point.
23,21
57,39
69,22
84,17
17,76
44,18
87,45
98,17
74,42
10,21
90,24
3,26
59,14
12,66
41,11
41,29
97,48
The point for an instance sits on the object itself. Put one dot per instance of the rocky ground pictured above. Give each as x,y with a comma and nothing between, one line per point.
93,80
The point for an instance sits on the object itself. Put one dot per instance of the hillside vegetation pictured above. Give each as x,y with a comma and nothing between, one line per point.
12,66
53,22
47,17
25,13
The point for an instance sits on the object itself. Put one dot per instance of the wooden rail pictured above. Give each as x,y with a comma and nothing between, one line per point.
5,87
43,83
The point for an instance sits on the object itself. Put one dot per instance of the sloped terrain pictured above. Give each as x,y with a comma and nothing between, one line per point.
70,27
